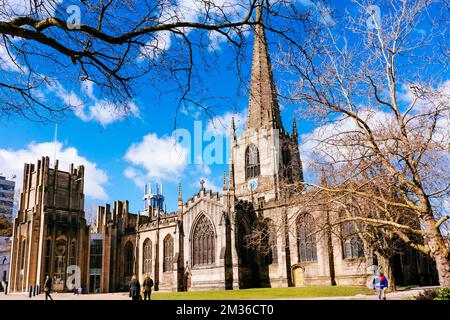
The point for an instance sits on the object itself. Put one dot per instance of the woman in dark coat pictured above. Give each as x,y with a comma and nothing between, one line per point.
135,288
48,287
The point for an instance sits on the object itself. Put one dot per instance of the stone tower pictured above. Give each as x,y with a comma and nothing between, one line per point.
50,232
265,156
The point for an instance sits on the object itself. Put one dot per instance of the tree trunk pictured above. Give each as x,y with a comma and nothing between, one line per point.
439,251
443,269
386,268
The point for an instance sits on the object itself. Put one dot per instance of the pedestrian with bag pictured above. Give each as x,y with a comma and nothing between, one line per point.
48,287
380,284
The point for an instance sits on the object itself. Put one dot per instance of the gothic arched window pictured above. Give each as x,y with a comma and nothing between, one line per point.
352,245
147,256
129,259
306,239
168,253
203,240
251,162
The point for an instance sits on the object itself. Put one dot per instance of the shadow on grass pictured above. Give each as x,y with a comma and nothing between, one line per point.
265,293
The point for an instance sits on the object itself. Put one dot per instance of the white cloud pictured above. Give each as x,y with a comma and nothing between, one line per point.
15,8
324,141
429,100
191,111
209,185
216,40
12,162
137,176
160,158
8,61
193,11
201,167
103,111
157,46
221,124
320,11
87,87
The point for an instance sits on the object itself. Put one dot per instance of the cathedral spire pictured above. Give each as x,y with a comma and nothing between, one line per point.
294,130
233,130
224,181
264,111
180,202
231,177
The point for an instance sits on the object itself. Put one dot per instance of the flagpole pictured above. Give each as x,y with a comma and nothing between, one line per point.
56,141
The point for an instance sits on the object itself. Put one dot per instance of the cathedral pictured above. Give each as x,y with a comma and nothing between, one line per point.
207,243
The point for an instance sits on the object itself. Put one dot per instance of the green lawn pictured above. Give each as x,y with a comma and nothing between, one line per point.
266,293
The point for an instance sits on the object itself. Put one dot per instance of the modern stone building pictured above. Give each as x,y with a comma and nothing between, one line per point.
207,242
6,210
5,252
49,232
6,197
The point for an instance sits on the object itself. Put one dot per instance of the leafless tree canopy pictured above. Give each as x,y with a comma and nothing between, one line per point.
112,44
380,90
46,44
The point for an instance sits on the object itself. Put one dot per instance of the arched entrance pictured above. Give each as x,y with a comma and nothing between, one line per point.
298,275
187,281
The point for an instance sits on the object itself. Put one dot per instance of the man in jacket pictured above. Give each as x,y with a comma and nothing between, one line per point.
148,284
380,284
135,288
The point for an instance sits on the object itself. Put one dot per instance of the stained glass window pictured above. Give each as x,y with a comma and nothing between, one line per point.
306,238
204,248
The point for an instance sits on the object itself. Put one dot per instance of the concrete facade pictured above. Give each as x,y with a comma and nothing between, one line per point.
6,197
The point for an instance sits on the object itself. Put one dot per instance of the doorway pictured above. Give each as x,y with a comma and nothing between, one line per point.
94,283
187,281
299,276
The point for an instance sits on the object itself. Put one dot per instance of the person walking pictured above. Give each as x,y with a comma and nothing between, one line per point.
380,284
48,287
148,284
135,288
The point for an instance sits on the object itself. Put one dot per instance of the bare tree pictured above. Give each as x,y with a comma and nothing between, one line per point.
46,43
378,87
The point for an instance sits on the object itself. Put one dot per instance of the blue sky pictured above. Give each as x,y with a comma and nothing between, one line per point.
123,153
101,141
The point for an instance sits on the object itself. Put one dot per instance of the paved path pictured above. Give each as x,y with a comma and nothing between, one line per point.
67,296
399,295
